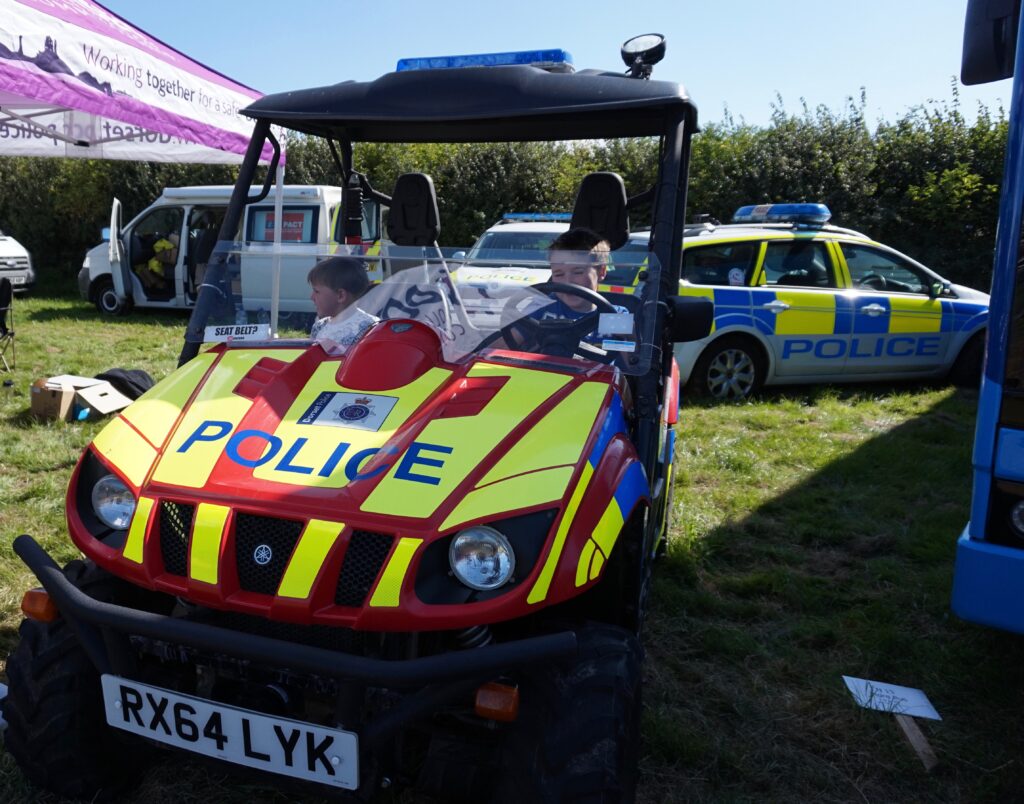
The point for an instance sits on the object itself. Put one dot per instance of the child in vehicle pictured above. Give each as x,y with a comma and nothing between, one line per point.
337,284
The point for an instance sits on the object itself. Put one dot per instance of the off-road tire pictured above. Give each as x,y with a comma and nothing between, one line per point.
966,370
730,353
106,300
577,738
56,728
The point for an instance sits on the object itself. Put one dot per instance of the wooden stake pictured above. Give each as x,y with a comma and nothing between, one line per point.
914,736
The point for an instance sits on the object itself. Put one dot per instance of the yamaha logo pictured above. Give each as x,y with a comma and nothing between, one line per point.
262,554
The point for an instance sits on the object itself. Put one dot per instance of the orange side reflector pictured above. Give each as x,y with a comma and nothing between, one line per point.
497,702
36,604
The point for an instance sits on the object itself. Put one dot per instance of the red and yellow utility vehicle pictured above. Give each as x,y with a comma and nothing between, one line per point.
423,559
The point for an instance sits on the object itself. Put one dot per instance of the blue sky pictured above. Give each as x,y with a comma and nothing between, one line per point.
738,55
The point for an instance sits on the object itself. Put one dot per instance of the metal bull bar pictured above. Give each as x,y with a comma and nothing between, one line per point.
104,628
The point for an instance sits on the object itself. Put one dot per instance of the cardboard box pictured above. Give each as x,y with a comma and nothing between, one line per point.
66,396
52,403
101,399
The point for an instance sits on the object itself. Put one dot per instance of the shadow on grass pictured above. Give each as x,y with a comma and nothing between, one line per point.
848,572
22,420
814,393
89,313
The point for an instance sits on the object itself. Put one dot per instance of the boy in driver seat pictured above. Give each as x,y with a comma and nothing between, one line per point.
578,257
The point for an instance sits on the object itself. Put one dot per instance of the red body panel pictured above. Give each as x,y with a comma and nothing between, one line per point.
378,363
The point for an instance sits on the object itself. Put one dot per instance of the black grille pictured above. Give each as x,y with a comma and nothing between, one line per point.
175,527
363,560
263,546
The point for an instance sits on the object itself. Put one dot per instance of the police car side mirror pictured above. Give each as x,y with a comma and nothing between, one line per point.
459,255
936,289
690,318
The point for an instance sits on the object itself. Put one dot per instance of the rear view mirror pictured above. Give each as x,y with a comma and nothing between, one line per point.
690,318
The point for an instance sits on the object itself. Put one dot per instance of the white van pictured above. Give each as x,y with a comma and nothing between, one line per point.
162,248
16,264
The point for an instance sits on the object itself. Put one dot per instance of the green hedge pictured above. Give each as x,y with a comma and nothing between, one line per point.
927,184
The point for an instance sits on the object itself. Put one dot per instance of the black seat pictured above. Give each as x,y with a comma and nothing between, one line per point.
7,323
803,269
413,218
601,207
414,226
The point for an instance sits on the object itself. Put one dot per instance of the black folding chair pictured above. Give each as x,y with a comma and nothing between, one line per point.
6,323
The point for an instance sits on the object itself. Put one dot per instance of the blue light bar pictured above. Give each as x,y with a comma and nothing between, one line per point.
808,214
552,60
537,216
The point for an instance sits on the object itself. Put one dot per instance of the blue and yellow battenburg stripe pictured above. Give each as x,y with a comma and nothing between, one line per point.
836,313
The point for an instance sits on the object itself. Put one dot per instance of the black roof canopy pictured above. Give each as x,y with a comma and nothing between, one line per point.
480,104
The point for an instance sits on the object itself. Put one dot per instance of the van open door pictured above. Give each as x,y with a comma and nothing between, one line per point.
118,264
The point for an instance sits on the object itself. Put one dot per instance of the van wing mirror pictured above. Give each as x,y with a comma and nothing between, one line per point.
690,318
990,40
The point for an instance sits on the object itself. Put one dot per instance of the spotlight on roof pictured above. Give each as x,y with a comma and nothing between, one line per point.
642,52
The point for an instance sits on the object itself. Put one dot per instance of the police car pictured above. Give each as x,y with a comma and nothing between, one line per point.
799,300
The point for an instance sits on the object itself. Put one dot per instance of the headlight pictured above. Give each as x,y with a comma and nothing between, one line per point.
1017,518
481,558
113,502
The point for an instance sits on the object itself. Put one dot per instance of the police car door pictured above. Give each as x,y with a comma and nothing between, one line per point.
797,300
897,325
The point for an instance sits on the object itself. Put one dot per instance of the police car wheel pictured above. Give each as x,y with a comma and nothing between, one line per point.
106,299
730,368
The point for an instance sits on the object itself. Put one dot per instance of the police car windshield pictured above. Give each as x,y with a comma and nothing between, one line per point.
510,245
497,308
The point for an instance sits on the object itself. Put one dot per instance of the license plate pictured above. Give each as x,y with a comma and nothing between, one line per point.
17,280
274,744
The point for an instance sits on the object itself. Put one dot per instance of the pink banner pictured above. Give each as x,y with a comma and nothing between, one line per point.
75,55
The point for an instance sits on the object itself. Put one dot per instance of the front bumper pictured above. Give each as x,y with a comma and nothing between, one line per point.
987,583
104,630
22,280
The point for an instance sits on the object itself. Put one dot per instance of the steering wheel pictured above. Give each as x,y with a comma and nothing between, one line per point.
876,281
557,337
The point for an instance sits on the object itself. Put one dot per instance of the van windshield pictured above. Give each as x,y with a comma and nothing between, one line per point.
570,319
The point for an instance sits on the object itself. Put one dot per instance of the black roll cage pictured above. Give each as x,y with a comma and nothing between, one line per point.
490,104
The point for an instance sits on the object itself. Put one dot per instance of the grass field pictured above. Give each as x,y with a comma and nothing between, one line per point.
814,538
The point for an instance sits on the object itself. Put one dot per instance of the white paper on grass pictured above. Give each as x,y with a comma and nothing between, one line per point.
891,698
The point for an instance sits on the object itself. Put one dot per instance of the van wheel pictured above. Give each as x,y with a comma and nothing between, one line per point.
56,728
107,301
966,371
578,733
732,367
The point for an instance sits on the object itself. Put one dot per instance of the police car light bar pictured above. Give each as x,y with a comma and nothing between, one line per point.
555,61
807,214
537,216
